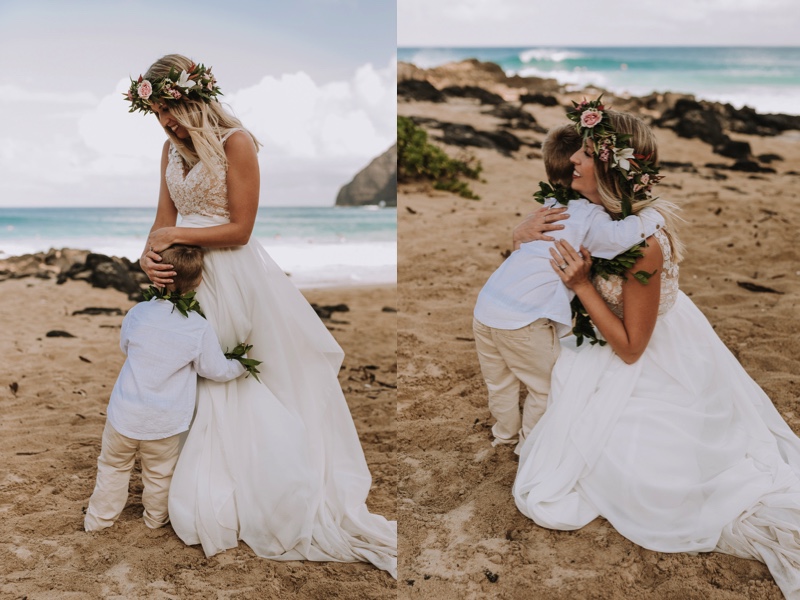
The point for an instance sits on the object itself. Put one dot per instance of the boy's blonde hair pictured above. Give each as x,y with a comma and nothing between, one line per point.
559,145
188,263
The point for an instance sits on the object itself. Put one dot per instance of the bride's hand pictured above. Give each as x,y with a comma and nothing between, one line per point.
160,239
571,266
159,273
534,225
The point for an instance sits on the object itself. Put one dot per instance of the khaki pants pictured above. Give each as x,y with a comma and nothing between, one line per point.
113,475
509,357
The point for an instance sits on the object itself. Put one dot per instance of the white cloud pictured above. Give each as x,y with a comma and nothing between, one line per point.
297,118
316,137
14,93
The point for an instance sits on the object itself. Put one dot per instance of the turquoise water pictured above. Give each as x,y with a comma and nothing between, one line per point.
767,79
319,246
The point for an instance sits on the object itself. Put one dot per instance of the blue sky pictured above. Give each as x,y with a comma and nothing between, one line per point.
470,23
313,79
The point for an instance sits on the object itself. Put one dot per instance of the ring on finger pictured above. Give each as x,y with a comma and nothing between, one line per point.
562,267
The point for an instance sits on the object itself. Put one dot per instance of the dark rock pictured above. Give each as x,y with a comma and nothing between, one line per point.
374,184
748,166
473,91
769,158
686,167
59,333
543,99
751,166
692,119
388,309
419,90
517,117
325,312
734,149
110,273
94,310
459,134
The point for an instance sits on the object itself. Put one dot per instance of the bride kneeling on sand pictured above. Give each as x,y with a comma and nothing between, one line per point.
660,431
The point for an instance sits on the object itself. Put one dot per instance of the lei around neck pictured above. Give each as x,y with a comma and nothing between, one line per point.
185,303
198,83
636,173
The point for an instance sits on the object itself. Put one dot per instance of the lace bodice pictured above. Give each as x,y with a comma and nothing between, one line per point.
611,289
196,191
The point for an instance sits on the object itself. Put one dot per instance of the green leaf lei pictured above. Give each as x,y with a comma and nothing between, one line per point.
185,303
605,268
248,363
562,194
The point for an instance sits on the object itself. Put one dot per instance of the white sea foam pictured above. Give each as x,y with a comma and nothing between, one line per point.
548,54
577,78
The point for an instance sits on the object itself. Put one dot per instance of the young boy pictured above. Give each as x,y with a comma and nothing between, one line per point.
524,307
153,400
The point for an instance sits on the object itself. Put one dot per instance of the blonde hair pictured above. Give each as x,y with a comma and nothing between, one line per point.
612,188
208,123
188,264
558,147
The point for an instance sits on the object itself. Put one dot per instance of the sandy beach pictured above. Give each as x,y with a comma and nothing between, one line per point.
461,535
54,394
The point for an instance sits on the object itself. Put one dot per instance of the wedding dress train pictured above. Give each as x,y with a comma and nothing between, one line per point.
680,451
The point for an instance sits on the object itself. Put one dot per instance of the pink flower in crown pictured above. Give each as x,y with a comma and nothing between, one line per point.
130,96
605,154
637,187
144,89
175,94
645,179
591,117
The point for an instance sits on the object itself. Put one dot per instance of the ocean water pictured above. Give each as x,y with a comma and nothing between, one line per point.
767,79
319,247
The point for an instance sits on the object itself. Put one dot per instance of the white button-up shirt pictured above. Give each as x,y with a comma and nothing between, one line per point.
525,287
154,396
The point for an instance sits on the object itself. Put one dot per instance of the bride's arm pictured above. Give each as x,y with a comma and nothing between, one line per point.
629,336
243,181
166,216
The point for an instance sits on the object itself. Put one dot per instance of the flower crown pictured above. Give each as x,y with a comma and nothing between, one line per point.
196,84
637,173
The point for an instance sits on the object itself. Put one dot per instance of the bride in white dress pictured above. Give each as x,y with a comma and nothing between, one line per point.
661,431
277,463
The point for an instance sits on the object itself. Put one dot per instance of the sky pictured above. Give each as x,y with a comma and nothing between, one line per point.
314,80
510,23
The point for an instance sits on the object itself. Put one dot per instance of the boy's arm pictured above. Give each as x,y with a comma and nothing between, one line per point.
606,238
211,362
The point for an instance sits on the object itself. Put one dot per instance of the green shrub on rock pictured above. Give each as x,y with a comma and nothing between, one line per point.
418,159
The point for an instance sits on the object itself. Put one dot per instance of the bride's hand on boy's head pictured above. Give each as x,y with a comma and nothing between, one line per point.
159,273
160,239
535,224
571,265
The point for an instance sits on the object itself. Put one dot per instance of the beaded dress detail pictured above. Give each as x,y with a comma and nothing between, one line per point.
611,289
196,191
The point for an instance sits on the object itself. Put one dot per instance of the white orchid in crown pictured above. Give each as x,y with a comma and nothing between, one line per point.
622,157
184,81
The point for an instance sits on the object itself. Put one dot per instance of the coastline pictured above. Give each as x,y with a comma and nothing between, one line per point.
54,394
460,530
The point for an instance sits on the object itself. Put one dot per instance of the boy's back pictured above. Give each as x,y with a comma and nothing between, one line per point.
525,287
155,392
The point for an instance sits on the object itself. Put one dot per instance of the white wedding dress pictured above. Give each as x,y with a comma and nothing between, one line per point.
680,451
276,464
